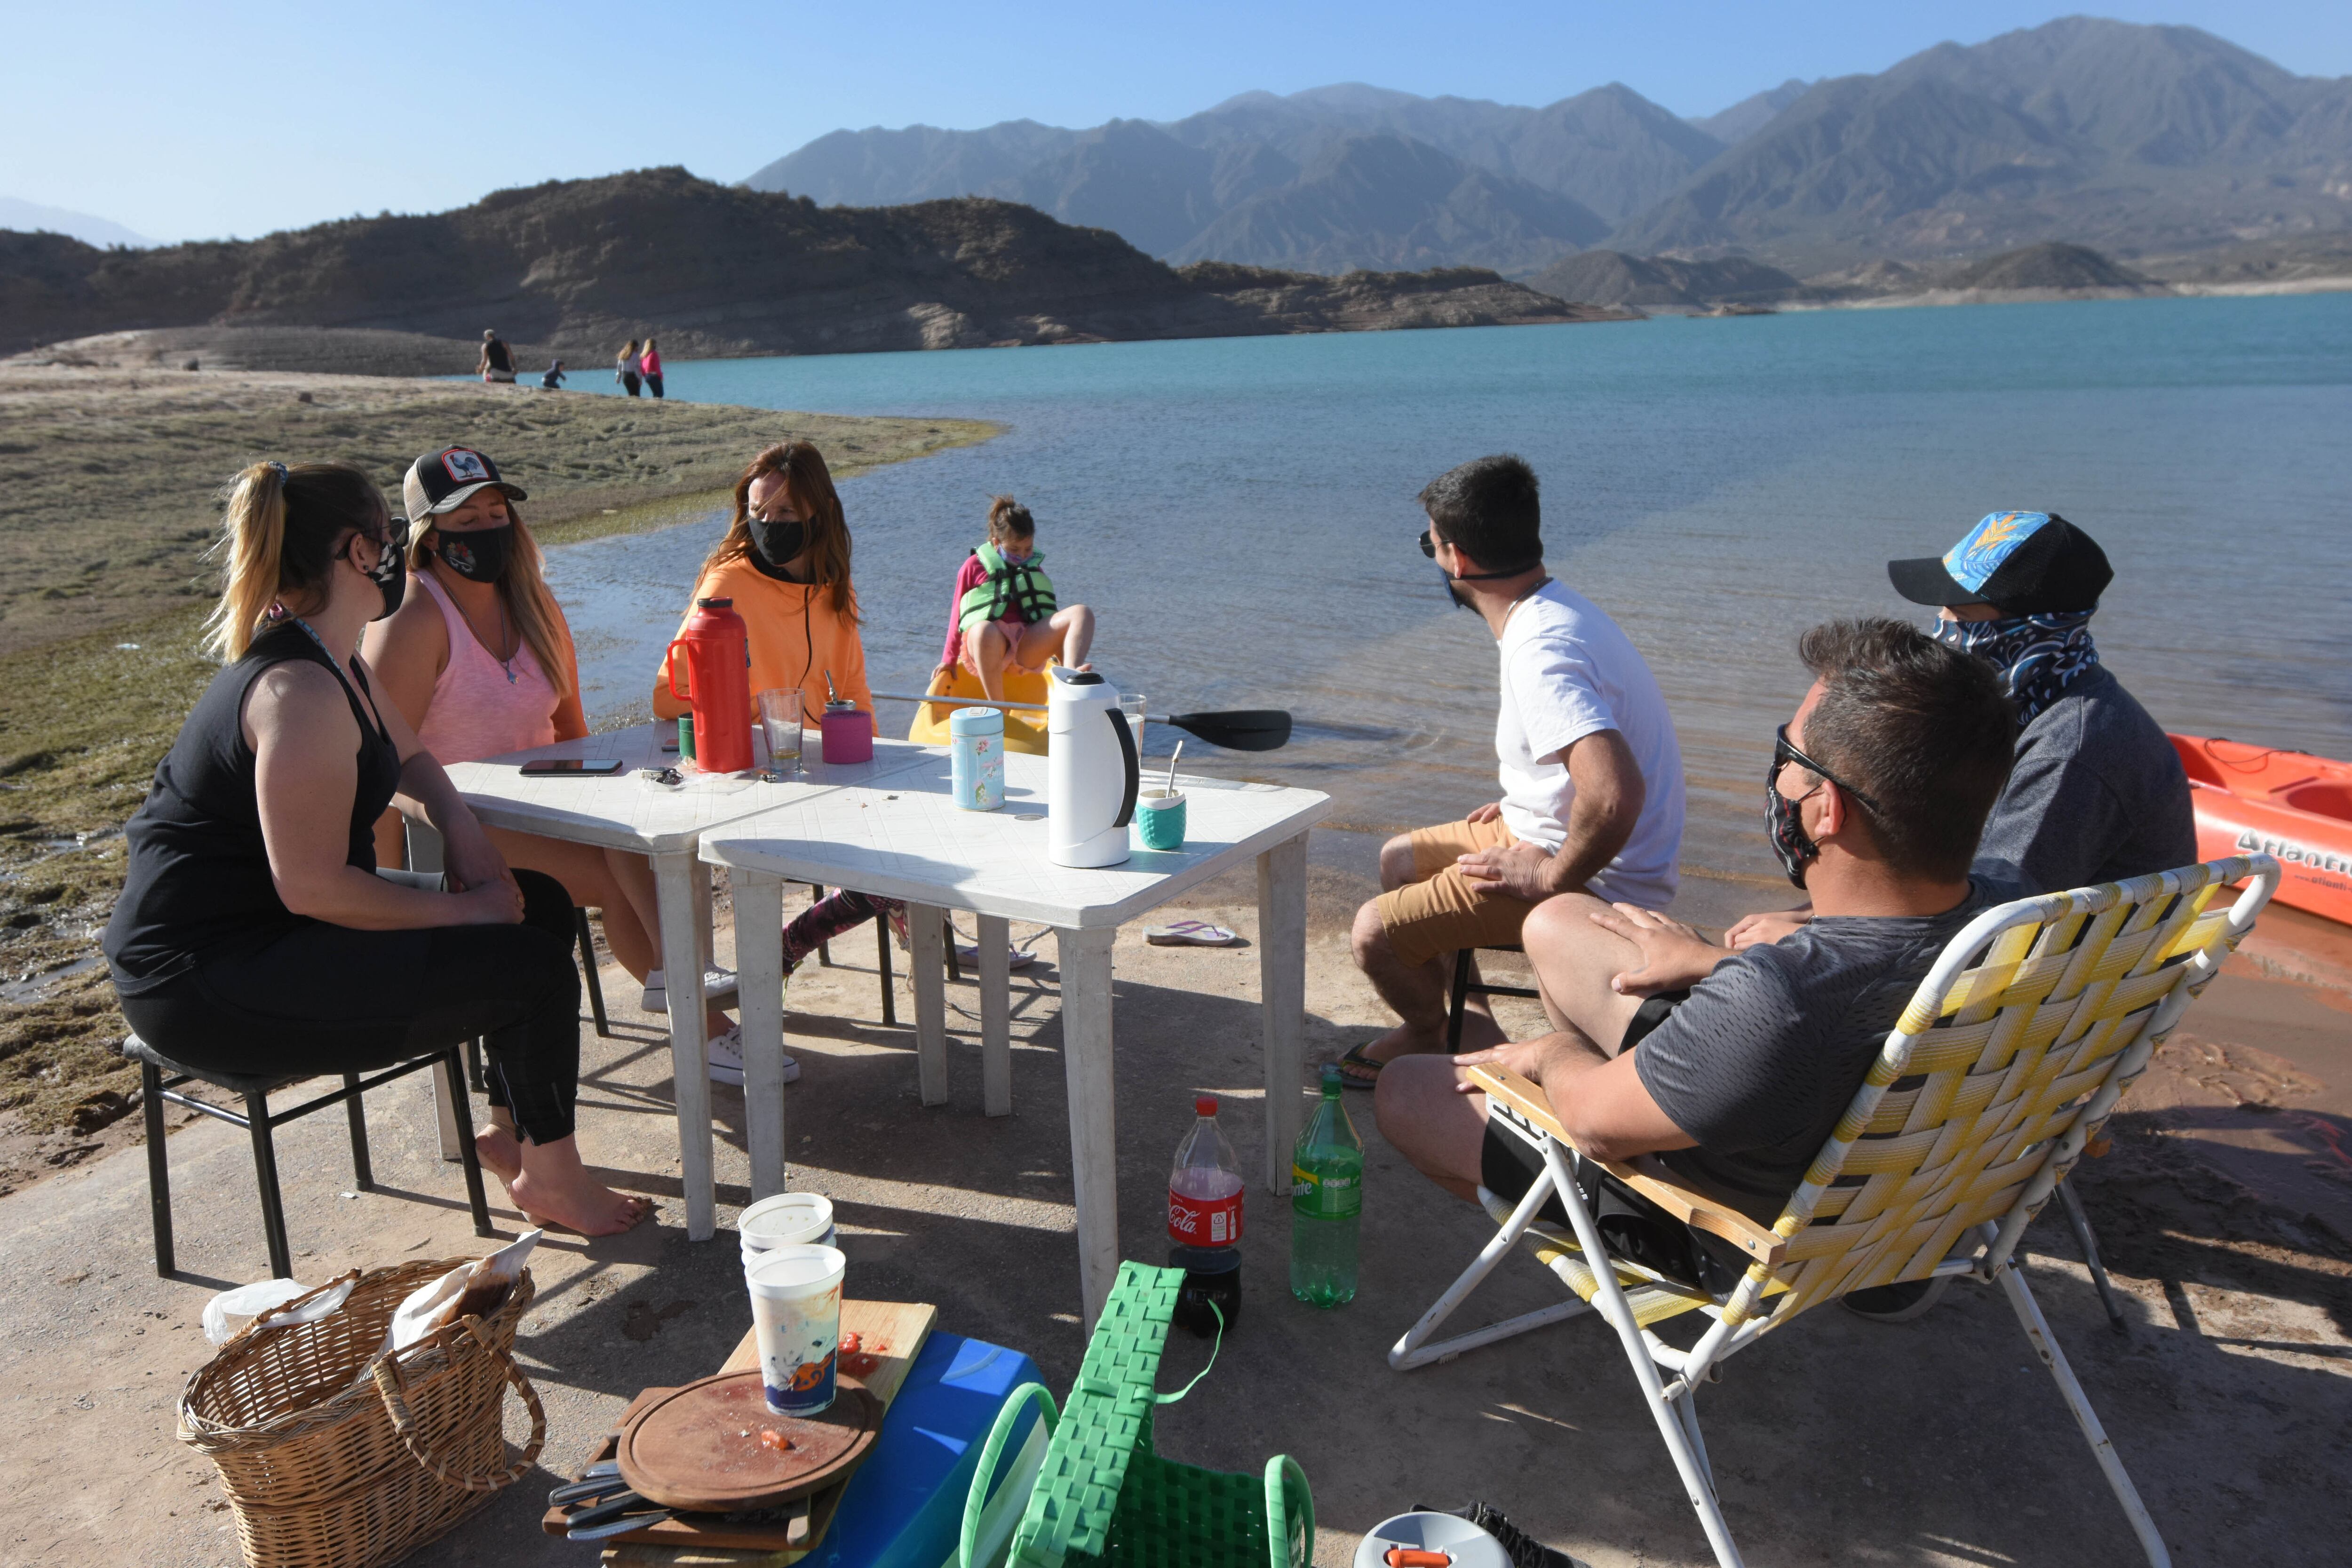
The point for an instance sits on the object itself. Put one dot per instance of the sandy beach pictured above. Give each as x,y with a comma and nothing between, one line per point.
1939,1442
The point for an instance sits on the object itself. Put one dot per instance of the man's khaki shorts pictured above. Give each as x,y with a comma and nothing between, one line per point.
1441,910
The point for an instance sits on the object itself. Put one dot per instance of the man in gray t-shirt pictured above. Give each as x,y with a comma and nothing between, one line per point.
1875,797
1760,1060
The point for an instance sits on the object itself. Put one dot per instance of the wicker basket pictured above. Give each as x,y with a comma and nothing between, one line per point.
336,1458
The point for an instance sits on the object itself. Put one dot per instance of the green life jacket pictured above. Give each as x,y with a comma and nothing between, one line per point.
1020,593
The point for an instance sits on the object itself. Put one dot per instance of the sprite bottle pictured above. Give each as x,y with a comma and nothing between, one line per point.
1327,1202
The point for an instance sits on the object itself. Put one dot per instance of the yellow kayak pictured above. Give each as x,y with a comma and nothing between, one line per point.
1023,731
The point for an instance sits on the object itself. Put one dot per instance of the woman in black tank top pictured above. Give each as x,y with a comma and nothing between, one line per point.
253,934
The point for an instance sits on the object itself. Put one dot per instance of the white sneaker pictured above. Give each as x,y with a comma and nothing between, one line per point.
727,1060
718,988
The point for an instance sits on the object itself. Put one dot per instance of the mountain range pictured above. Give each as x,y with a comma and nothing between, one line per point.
2133,138
576,267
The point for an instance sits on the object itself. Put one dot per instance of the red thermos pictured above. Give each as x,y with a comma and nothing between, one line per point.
718,667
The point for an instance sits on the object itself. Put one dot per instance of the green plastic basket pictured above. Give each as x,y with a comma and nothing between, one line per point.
1103,1497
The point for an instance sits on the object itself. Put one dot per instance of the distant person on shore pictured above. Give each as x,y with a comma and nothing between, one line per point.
478,658
1003,616
1591,770
625,367
551,378
649,366
496,364
1878,785
784,563
254,934
2098,794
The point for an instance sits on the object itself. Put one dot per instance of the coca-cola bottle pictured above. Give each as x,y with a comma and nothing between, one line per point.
1204,1225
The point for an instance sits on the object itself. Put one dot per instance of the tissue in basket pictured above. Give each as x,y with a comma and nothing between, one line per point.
472,1290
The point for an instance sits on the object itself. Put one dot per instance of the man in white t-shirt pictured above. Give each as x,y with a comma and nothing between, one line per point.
1592,774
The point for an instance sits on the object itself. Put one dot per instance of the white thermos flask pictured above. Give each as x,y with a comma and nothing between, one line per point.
1091,771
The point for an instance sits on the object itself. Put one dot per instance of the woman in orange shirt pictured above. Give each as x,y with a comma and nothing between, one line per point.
784,561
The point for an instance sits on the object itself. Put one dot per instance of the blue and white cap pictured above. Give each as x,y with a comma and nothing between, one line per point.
2021,563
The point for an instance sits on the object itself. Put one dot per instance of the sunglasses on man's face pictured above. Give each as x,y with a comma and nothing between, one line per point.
1429,543
1784,752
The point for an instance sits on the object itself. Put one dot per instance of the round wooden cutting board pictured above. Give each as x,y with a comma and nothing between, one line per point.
698,1448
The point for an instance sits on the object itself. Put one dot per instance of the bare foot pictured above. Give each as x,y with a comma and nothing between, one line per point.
499,1152
576,1201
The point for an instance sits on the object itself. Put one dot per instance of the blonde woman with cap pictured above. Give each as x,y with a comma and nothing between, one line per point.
254,934
479,660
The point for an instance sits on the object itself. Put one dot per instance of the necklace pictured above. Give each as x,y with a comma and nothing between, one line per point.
506,663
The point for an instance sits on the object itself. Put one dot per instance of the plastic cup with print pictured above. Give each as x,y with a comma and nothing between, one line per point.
787,1219
796,1319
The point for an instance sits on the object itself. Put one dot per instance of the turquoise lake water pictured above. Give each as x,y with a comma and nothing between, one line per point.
1241,514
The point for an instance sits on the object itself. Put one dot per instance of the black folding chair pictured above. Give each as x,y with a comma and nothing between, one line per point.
1464,987
160,1079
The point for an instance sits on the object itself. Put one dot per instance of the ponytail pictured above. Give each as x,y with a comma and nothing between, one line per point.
279,530
1008,518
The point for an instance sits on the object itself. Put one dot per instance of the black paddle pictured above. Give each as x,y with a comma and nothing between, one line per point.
1236,729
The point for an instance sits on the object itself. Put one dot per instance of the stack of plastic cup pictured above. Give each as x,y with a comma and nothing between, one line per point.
796,1317
788,1219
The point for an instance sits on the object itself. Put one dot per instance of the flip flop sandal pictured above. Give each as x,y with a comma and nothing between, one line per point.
1357,1058
1014,957
1190,933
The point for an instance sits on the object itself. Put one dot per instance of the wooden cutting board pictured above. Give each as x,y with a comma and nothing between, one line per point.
893,1333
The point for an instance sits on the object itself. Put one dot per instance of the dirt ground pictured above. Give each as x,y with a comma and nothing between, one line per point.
2224,1213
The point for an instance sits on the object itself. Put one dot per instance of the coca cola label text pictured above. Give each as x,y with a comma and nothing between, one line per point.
1204,1222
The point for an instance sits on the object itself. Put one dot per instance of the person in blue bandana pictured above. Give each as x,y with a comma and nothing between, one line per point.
2096,793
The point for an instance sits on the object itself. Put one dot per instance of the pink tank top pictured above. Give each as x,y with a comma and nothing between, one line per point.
477,711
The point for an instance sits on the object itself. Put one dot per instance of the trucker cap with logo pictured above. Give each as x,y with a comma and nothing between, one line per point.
2021,563
440,481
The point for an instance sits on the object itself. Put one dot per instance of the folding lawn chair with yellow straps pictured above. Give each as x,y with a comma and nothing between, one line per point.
2009,1056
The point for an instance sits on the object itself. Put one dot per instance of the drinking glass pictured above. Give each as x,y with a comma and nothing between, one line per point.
780,717
1132,706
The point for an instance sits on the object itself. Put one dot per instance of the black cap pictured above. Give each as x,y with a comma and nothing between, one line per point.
440,481
2021,563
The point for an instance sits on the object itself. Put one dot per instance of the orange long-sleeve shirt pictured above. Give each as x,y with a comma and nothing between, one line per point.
796,636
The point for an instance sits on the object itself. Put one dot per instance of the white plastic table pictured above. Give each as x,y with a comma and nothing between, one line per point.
666,823
903,837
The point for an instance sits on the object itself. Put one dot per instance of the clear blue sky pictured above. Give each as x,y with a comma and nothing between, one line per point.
185,121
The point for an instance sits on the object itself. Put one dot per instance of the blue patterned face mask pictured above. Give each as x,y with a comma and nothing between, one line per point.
2040,655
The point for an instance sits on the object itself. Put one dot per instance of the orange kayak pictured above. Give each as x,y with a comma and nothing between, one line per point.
2258,799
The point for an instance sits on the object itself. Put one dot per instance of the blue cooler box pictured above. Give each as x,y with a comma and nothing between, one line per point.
903,1508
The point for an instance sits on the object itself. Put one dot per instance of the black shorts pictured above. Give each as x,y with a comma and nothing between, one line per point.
1633,1225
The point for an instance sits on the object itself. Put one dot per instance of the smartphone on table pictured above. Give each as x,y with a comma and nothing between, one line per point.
585,767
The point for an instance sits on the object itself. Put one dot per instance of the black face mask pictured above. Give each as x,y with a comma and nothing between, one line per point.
778,542
390,576
1784,825
1784,821
479,557
1461,601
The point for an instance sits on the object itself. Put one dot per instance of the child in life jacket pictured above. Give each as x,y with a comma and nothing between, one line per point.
1003,616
